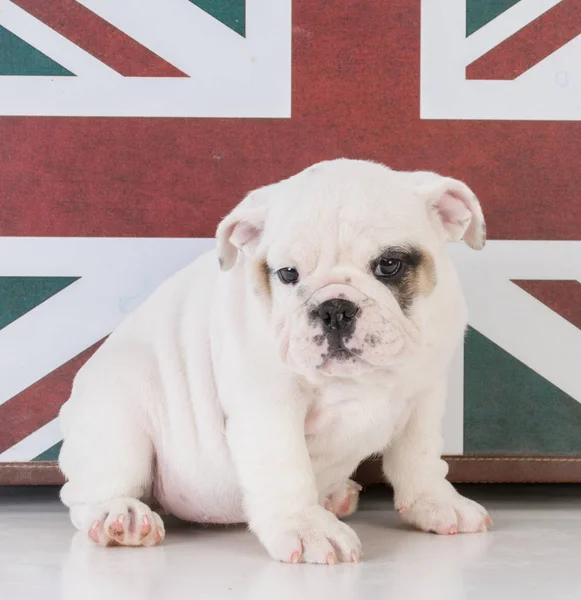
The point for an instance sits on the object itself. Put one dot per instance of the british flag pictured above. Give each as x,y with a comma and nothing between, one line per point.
128,129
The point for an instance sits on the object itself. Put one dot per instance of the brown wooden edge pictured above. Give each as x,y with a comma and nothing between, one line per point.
31,473
463,469
495,469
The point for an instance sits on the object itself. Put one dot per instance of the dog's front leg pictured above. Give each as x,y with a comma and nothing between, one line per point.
414,467
266,436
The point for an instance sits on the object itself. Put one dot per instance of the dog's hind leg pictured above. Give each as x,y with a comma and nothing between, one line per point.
343,502
107,458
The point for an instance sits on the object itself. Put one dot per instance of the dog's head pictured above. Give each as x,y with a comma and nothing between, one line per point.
344,254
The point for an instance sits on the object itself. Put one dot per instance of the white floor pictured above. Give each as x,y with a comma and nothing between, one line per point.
533,552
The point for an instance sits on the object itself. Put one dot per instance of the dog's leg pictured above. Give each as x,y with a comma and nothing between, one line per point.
413,465
108,459
266,437
121,521
343,502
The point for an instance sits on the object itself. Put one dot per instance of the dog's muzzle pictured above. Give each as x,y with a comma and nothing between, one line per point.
337,318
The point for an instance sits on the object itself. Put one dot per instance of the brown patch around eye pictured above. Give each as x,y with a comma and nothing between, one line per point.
405,290
418,277
262,275
426,274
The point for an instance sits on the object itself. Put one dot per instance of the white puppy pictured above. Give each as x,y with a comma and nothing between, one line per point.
251,393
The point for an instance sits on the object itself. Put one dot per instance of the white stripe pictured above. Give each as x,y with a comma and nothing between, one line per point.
197,43
548,91
33,445
554,71
51,43
117,275
453,425
505,25
219,61
530,331
512,318
229,76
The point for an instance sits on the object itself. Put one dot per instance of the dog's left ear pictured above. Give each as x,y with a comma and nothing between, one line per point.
456,210
241,229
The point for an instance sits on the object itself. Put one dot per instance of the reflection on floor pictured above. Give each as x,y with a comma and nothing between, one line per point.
533,552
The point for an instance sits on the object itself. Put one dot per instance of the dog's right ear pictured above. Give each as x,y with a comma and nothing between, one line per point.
455,208
241,230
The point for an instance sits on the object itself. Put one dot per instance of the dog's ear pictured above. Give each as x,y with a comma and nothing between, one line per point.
455,210
242,228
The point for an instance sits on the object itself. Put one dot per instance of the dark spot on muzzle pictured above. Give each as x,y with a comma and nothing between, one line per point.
302,291
319,339
372,339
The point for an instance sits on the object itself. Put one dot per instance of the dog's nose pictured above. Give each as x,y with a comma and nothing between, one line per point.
337,313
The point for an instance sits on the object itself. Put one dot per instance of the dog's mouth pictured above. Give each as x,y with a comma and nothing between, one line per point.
339,353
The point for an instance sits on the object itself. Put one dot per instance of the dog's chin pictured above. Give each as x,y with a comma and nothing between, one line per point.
344,365
341,363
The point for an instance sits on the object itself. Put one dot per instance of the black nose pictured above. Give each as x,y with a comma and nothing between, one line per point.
337,314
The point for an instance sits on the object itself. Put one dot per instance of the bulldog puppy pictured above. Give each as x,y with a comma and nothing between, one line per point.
250,386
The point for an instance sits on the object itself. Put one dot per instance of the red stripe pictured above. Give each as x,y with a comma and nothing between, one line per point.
177,177
99,38
528,46
564,297
40,403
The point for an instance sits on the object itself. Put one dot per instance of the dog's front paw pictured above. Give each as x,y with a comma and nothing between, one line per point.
312,536
445,514
125,522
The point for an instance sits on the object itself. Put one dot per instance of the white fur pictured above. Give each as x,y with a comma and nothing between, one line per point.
214,400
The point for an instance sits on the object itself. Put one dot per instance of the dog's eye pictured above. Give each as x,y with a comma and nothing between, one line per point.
388,267
288,275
